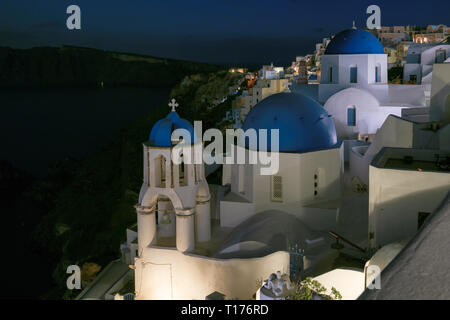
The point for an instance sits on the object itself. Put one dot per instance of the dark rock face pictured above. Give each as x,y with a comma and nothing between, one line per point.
75,66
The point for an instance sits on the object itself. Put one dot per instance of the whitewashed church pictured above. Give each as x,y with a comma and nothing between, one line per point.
184,252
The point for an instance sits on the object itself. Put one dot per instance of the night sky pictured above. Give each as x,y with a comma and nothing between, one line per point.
217,31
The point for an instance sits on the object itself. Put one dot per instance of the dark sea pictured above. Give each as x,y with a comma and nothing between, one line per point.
40,127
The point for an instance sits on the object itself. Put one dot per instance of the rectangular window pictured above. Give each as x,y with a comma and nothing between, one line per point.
421,217
351,117
277,189
331,75
440,56
241,173
377,74
353,74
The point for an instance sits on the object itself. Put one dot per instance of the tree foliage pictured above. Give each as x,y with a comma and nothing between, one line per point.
310,289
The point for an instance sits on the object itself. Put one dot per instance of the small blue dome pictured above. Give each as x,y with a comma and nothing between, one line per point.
161,134
354,41
304,125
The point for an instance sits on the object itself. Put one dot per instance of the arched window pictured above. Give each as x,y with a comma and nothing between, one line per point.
353,74
182,172
160,171
351,116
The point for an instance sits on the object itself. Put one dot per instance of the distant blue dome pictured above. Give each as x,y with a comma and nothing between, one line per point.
161,133
354,41
304,125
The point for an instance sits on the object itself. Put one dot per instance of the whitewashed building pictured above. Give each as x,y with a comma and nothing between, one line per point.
354,86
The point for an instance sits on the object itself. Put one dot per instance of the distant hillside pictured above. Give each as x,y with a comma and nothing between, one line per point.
77,66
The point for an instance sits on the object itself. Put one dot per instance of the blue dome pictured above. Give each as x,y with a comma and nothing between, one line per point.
304,125
161,134
354,41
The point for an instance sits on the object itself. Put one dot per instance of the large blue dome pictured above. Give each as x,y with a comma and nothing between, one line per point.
304,125
161,134
354,41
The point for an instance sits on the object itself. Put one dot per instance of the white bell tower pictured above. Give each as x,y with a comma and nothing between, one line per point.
178,194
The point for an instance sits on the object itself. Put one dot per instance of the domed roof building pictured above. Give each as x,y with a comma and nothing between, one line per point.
354,41
305,169
303,124
354,87
354,90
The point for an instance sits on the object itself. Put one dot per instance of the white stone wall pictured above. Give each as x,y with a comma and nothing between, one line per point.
165,273
397,196
412,69
370,116
395,132
297,172
365,64
429,56
440,93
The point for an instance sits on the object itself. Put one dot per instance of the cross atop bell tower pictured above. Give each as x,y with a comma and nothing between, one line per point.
173,104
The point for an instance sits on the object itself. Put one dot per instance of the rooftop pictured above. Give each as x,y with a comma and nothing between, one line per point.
413,159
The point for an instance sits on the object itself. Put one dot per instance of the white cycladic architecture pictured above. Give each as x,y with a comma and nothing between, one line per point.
346,69
347,281
354,86
146,220
420,60
203,215
180,255
440,93
406,185
178,193
399,133
407,132
380,260
358,113
172,191
185,230
303,181
309,165
273,213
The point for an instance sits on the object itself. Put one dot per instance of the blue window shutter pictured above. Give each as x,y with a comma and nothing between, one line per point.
353,74
351,117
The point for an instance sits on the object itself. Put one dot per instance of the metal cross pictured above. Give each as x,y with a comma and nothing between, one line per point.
173,104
